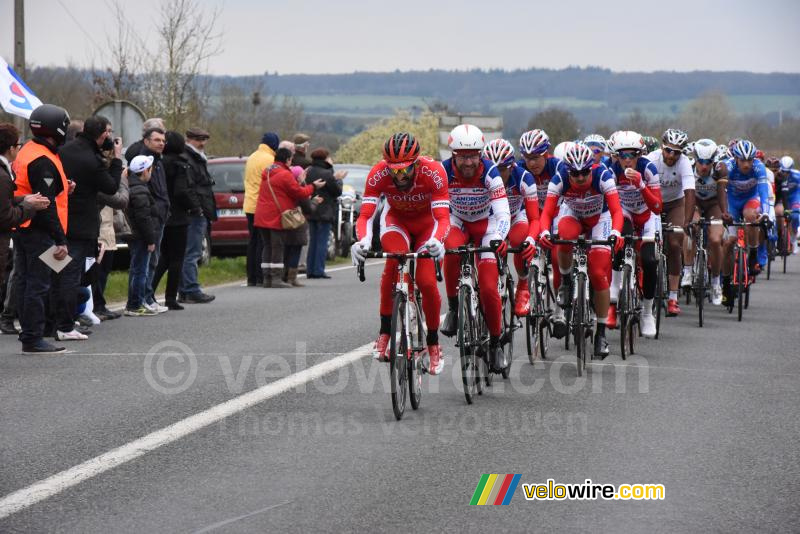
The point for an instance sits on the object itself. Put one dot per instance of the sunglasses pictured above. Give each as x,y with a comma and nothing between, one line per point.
627,155
468,157
596,150
672,151
583,172
705,161
404,171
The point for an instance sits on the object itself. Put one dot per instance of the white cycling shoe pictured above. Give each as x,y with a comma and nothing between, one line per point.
716,295
648,325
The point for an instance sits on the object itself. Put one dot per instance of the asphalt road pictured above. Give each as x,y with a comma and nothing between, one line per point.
709,413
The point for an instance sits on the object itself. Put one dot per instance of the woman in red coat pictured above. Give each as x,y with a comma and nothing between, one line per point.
279,192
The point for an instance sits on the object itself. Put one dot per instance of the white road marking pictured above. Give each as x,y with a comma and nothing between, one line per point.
215,526
26,497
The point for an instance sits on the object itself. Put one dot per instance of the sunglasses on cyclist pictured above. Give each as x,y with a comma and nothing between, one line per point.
596,150
627,155
672,151
403,171
576,173
705,161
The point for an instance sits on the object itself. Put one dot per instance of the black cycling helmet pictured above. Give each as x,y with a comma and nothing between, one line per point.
50,121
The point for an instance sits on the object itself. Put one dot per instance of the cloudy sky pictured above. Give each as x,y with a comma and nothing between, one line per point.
330,36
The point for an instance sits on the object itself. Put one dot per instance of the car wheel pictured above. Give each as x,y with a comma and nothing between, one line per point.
205,254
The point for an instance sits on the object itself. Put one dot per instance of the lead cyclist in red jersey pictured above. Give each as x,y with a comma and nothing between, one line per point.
416,217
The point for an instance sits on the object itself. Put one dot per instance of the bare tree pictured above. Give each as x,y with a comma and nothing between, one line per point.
710,116
187,39
124,57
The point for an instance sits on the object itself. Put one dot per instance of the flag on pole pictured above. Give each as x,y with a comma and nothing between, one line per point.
15,97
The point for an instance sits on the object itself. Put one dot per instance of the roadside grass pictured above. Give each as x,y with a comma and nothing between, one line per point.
218,271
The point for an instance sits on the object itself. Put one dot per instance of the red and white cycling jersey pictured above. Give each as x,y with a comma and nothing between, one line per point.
427,198
483,198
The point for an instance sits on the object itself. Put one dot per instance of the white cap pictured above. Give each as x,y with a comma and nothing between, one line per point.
139,164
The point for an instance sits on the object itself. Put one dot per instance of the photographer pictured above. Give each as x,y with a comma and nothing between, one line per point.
93,161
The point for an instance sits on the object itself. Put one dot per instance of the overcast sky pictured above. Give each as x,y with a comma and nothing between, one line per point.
334,36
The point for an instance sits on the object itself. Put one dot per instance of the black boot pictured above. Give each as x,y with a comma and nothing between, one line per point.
7,326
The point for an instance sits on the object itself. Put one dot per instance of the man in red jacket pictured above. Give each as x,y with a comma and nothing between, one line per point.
279,191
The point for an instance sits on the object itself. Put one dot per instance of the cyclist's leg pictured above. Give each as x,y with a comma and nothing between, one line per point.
569,227
751,212
487,279
426,280
675,215
794,202
715,234
616,269
688,244
452,264
394,239
599,259
516,235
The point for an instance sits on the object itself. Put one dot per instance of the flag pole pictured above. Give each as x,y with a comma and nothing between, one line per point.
19,52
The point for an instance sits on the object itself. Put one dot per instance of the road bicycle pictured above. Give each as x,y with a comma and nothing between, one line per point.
537,323
700,273
662,278
629,307
407,338
741,279
580,315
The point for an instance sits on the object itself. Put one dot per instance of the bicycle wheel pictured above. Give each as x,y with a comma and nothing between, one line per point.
700,284
624,310
741,277
415,361
467,343
545,310
579,318
658,301
398,356
531,321
770,256
508,326
785,248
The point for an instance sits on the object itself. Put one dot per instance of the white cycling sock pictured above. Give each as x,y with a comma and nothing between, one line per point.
687,269
647,306
716,281
673,295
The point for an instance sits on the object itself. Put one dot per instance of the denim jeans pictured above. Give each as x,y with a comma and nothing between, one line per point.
150,291
319,232
137,273
34,283
194,249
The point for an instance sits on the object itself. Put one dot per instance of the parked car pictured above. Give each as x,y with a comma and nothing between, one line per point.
228,235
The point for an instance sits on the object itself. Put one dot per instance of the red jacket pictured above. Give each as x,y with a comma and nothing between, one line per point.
287,191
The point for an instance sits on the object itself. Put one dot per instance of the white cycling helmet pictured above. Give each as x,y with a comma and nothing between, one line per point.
466,137
596,139
688,150
561,149
626,140
499,152
786,163
705,149
534,142
579,157
723,153
675,137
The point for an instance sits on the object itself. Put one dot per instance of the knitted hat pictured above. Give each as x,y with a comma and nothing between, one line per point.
271,139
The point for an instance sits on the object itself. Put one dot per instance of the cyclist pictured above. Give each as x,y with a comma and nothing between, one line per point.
479,214
677,191
748,198
763,253
590,206
416,217
651,143
640,197
791,191
523,204
773,164
597,143
712,203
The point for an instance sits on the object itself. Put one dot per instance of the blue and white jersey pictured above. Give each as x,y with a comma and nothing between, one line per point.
791,185
584,204
481,198
746,186
551,167
521,187
630,197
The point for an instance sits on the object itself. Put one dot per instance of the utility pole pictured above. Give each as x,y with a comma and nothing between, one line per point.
19,49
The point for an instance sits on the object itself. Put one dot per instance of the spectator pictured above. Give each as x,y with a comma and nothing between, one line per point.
182,204
296,239
136,148
75,127
145,220
201,184
13,210
301,144
39,170
108,245
85,165
279,192
325,215
257,163
153,145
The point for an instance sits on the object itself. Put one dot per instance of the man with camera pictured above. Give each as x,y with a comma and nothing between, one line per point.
93,160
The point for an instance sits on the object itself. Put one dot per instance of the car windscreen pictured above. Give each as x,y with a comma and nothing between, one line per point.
356,176
228,177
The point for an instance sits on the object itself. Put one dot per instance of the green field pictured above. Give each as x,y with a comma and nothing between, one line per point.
358,102
565,102
740,103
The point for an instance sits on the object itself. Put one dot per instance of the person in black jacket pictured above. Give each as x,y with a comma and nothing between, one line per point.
201,185
143,216
183,204
85,165
324,216
13,212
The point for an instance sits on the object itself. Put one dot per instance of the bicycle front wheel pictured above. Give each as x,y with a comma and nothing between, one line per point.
415,359
660,288
398,356
624,310
700,284
579,315
508,326
467,343
741,277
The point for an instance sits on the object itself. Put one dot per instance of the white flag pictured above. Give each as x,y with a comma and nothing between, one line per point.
15,97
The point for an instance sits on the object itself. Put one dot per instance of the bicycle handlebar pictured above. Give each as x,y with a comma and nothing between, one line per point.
399,256
610,242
